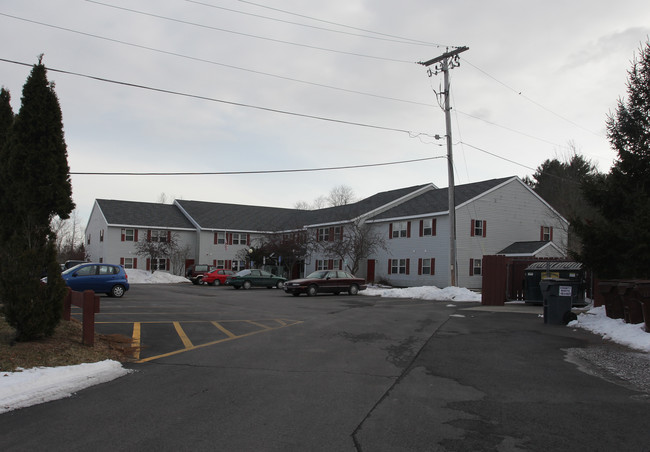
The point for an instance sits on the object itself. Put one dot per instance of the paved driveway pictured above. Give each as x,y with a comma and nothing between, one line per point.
340,373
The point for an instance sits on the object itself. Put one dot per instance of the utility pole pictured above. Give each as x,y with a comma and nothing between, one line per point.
444,63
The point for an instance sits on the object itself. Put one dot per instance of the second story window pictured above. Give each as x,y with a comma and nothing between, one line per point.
479,228
158,236
323,235
546,234
400,229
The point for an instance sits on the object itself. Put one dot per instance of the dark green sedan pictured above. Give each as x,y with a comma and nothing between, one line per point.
254,277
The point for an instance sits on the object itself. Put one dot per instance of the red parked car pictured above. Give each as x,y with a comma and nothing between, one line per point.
217,277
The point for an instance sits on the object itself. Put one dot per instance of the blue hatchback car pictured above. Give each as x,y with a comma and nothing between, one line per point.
104,278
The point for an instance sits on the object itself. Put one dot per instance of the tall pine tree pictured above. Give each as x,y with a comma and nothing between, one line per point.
36,187
617,243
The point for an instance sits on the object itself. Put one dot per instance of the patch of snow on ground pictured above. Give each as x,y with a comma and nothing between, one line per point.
43,384
631,335
157,277
424,293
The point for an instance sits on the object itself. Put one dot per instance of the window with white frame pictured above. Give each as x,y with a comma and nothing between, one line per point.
238,239
128,235
337,233
220,238
238,265
158,236
400,229
128,262
476,267
398,266
478,228
221,263
427,227
322,264
323,235
158,264
427,267
547,233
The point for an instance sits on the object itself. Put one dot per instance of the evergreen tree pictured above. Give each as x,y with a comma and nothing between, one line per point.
617,243
559,183
36,187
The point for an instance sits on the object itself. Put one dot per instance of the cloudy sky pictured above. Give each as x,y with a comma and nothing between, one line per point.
211,86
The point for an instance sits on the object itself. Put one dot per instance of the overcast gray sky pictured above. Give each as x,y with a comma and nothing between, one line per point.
537,76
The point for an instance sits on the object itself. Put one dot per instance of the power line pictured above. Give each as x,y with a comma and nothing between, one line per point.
497,156
231,173
520,93
248,35
395,39
340,25
216,63
238,104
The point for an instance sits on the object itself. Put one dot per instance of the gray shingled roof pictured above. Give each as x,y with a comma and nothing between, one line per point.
131,213
212,215
524,247
438,200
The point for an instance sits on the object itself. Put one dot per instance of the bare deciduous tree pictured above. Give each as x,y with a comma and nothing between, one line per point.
357,243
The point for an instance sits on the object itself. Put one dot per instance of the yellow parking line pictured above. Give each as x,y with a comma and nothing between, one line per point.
135,342
223,330
258,324
186,340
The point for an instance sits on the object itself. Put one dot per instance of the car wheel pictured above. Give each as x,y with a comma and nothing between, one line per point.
117,291
199,280
217,282
279,285
247,285
353,290
312,291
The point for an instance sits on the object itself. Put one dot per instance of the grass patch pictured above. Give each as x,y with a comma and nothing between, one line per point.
63,348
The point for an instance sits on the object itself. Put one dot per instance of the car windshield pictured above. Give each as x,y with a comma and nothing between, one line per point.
320,274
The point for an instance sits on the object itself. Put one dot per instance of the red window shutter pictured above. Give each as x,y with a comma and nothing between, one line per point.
472,230
167,265
248,239
340,264
136,235
433,226
229,265
123,234
484,228
332,234
121,261
541,233
148,236
330,264
148,264
229,236
318,235
420,261
421,228
390,231
135,262
408,266
169,236
551,233
215,238
408,229
471,267
433,266
390,267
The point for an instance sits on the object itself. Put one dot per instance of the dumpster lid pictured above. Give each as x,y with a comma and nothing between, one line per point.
554,266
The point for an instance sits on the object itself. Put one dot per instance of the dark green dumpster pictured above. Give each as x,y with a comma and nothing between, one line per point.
539,271
559,296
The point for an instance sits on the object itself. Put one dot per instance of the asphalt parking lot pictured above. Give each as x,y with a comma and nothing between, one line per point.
221,369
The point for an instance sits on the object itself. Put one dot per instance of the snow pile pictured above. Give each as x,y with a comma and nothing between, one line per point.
424,293
631,335
157,277
43,384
